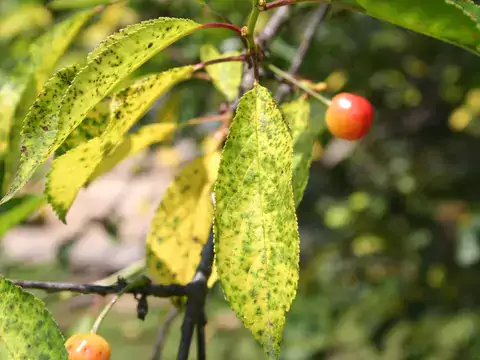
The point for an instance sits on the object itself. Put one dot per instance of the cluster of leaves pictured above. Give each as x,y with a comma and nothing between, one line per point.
82,116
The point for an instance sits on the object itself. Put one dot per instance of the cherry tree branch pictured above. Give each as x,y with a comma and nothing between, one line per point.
161,291
278,19
195,308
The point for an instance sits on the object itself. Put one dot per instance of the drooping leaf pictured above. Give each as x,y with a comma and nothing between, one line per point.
119,57
39,128
256,234
27,329
92,126
297,115
18,210
226,76
430,17
132,144
73,169
183,222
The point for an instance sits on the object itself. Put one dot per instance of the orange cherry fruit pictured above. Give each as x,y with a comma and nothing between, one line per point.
87,347
349,116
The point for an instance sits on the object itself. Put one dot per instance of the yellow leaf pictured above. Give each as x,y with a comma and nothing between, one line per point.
132,144
183,222
256,233
297,115
73,169
226,76
94,125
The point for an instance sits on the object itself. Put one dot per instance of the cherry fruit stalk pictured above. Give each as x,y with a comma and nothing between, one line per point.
349,116
87,347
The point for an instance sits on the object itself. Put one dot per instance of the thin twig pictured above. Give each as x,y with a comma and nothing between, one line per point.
163,333
302,50
162,291
278,19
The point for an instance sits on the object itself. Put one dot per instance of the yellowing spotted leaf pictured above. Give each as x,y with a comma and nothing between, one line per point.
132,144
183,222
39,128
28,78
226,76
116,58
92,126
27,329
256,234
73,169
297,115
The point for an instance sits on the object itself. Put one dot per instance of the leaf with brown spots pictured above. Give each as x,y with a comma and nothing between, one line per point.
117,57
94,125
226,76
182,223
71,171
297,115
27,329
256,233
39,129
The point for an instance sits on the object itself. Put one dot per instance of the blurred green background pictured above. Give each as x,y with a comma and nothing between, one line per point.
389,226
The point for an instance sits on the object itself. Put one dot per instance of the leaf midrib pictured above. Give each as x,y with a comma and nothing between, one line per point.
256,121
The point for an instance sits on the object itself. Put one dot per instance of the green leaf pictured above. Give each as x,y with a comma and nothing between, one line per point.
27,329
226,76
18,210
469,8
182,223
92,126
429,17
39,128
132,144
256,233
297,115
73,169
119,57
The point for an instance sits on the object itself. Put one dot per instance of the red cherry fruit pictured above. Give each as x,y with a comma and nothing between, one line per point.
349,116
87,347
